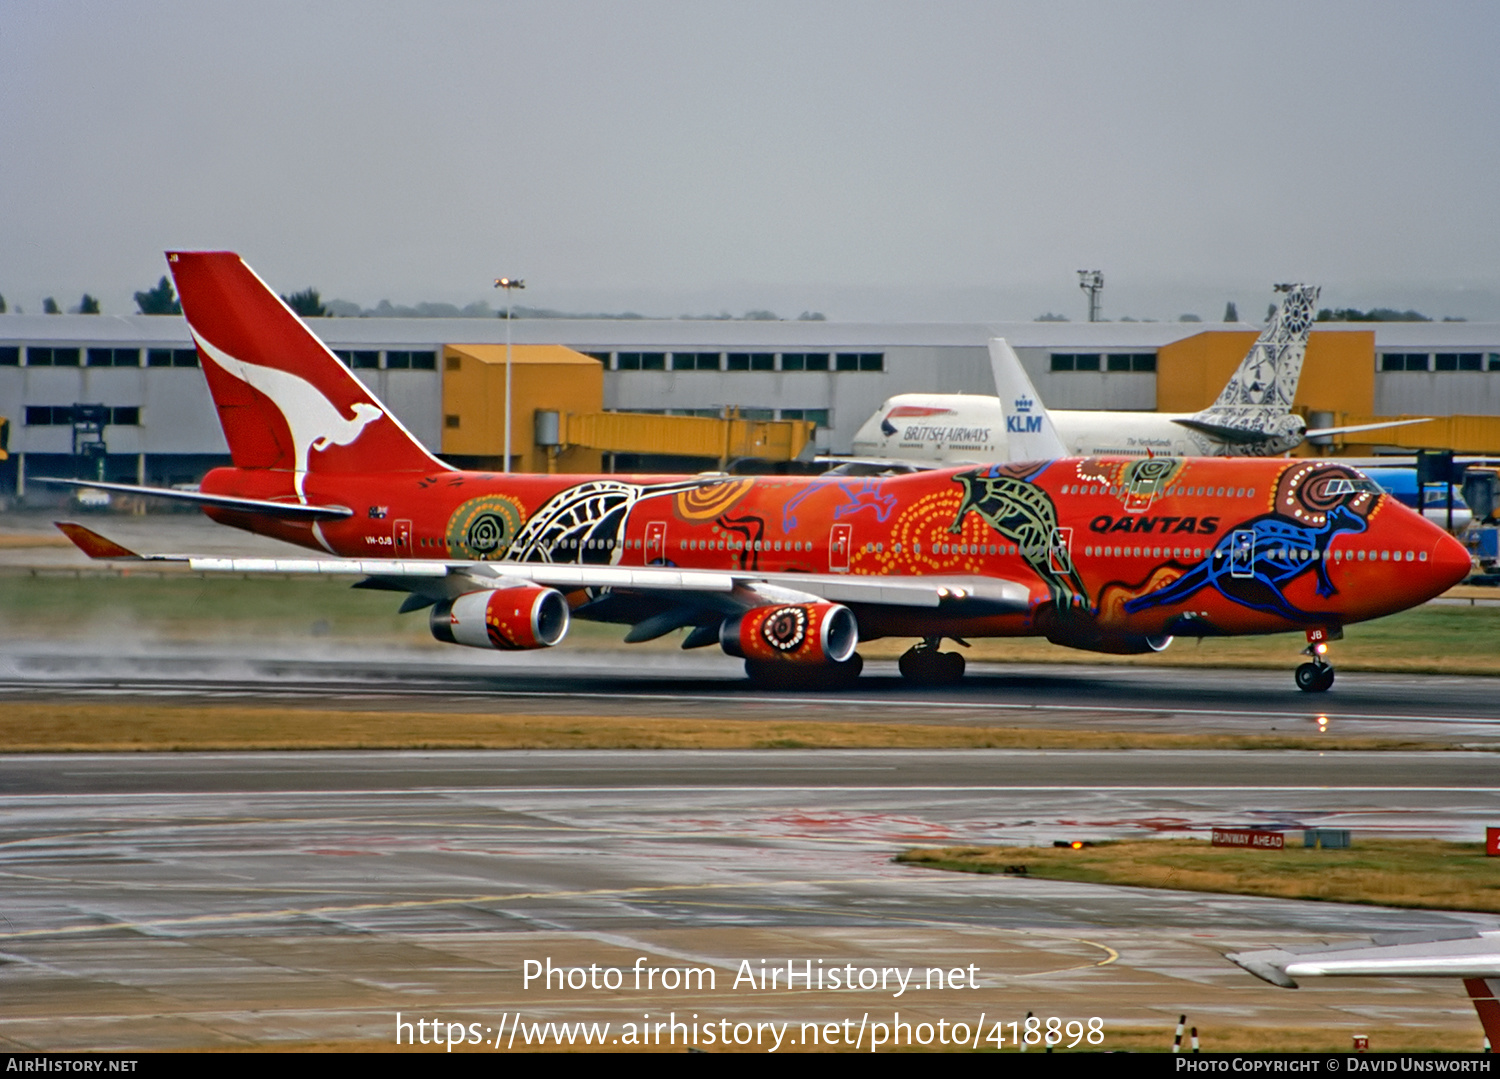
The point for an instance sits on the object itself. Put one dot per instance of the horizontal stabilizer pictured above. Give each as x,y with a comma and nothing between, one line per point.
1367,426
264,507
1235,436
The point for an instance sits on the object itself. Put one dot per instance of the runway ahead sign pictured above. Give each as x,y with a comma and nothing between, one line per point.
1248,837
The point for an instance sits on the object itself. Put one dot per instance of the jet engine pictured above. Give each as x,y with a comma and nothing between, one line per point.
508,619
802,633
1081,630
1115,644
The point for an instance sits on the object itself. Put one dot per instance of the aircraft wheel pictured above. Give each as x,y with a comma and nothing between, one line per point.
929,667
768,675
794,676
1314,677
844,675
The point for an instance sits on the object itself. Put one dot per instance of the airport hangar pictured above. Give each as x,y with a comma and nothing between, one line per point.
685,395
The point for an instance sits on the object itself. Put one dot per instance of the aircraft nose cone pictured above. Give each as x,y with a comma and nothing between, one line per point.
1449,563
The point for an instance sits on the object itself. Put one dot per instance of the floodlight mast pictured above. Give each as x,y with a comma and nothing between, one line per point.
508,284
1092,282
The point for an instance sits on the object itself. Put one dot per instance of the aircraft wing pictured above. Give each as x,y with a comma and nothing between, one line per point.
263,506
1475,955
433,579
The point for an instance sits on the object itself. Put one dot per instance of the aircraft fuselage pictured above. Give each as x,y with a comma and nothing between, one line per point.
1110,548
953,429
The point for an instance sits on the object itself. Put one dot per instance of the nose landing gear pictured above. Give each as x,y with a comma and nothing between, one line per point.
1316,676
923,665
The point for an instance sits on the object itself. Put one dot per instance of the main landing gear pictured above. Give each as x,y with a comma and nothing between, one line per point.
924,665
810,676
1316,675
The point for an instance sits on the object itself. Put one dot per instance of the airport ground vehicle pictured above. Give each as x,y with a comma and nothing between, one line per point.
1098,553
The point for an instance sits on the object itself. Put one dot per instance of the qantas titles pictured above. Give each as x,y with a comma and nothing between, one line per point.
1200,526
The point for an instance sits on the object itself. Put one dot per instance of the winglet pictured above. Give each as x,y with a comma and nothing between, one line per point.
92,544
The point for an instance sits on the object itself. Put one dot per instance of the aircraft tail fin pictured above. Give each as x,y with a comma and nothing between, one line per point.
1029,433
1484,993
1267,377
285,401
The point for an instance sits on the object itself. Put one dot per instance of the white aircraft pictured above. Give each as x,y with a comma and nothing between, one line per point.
1252,417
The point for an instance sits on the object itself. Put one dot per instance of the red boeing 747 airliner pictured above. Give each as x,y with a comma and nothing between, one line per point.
1104,554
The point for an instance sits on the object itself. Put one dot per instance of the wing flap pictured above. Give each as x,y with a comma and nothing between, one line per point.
991,593
372,567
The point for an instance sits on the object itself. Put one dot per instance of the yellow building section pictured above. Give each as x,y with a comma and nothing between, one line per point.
1338,374
1338,383
689,436
558,383
543,377
1461,434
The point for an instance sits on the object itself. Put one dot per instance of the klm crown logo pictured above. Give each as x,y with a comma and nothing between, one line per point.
1023,422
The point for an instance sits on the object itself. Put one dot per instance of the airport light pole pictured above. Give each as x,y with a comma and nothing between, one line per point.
1092,282
508,284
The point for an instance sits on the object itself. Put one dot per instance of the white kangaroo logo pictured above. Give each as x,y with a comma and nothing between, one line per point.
314,422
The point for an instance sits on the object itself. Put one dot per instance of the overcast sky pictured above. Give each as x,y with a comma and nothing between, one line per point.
866,159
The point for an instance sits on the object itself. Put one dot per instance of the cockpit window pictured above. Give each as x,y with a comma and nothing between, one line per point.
1439,496
1342,486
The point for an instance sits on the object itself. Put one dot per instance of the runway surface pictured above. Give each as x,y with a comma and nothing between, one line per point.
187,900
222,899
1451,709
